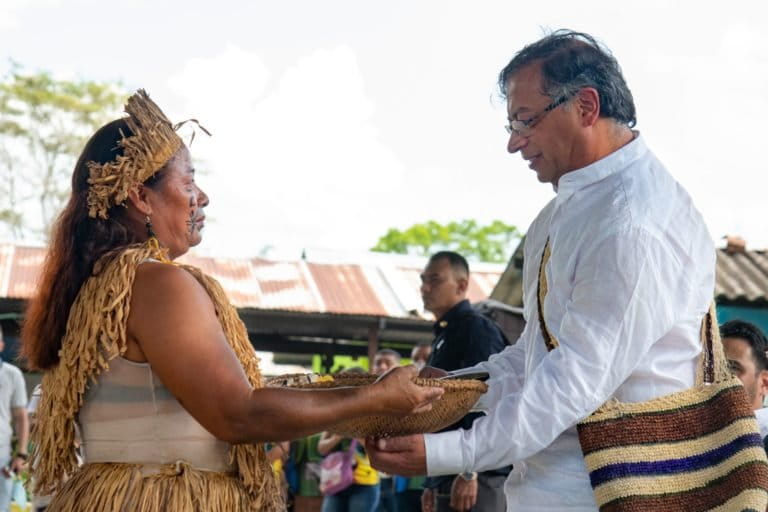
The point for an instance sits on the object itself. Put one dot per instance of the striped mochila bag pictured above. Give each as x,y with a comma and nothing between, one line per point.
694,450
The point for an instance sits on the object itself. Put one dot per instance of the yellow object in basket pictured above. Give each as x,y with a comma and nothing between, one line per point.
325,378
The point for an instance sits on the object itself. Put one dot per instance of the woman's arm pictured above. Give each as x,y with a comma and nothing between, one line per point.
172,325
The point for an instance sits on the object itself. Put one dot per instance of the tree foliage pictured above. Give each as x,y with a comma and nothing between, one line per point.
493,242
44,124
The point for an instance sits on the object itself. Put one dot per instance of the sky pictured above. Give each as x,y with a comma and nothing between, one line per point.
334,121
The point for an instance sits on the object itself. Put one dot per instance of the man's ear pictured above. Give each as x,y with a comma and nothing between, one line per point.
137,196
762,383
588,104
463,283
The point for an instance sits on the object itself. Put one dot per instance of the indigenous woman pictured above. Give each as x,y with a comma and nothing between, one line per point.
147,358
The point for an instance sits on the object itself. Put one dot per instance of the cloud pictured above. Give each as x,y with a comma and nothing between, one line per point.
293,158
220,86
707,109
11,10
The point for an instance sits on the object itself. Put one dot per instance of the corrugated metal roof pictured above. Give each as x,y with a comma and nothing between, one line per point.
236,276
25,265
384,287
740,278
345,289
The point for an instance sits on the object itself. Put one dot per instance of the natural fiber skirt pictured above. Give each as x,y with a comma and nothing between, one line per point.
169,487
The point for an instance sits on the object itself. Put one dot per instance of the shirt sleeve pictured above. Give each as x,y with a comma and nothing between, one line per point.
619,306
481,339
19,398
506,372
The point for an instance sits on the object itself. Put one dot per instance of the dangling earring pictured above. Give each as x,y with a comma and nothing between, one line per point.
148,223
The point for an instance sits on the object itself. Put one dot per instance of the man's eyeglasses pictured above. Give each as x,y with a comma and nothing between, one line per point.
523,128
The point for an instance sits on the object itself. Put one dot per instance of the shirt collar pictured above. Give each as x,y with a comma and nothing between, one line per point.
456,311
617,161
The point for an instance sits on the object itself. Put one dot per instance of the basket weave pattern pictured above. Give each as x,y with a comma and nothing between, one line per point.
459,397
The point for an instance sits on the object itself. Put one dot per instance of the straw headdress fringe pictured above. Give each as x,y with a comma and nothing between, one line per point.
96,333
153,142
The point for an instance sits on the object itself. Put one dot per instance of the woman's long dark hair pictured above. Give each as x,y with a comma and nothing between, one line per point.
77,242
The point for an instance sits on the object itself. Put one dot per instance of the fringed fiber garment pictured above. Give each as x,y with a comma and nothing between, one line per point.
95,335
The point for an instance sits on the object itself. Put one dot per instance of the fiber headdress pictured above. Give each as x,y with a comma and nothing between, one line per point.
153,143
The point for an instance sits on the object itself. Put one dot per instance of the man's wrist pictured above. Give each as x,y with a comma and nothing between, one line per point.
22,456
468,476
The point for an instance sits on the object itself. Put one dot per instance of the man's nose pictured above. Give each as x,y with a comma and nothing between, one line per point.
516,143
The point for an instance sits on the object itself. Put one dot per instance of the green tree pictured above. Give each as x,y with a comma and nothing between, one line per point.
493,242
44,124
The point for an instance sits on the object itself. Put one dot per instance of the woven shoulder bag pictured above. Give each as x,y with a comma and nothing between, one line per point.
694,450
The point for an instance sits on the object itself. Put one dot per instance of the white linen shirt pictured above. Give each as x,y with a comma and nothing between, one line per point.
630,278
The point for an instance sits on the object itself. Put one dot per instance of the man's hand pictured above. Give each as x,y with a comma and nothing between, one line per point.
428,500
463,493
404,456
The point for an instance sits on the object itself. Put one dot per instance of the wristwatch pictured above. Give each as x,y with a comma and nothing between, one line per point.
468,476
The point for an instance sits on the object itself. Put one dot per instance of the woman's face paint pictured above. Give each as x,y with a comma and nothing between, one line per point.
178,215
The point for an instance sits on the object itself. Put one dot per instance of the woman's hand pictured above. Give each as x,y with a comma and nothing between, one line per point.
396,393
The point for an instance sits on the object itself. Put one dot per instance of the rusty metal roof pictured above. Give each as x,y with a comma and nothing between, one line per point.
19,268
387,287
741,278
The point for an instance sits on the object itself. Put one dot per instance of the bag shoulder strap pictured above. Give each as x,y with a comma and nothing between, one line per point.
541,294
712,367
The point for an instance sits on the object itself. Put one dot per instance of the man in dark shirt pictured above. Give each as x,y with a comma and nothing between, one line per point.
463,338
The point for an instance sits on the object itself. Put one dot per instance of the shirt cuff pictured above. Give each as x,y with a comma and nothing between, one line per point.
443,453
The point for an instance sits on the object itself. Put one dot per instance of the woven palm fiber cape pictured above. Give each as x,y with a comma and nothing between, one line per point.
694,450
96,334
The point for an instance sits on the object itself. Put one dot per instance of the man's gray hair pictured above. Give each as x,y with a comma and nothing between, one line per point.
571,61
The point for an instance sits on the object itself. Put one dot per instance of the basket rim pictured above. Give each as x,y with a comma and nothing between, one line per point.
362,379
453,405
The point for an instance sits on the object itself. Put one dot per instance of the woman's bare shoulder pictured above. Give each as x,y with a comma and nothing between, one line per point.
154,275
164,286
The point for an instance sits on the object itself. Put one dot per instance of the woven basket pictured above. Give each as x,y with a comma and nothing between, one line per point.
459,397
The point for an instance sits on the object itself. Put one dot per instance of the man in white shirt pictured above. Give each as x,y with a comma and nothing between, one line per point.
745,345
13,408
630,277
